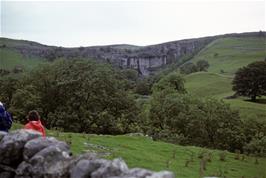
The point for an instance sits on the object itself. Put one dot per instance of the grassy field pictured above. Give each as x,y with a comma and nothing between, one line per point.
140,151
232,53
11,59
229,54
206,84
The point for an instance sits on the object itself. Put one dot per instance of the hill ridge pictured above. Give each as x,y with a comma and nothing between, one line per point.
144,59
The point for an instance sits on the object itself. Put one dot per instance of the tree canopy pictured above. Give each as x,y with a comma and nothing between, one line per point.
250,80
201,65
80,96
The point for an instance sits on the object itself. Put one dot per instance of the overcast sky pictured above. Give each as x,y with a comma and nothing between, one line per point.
87,23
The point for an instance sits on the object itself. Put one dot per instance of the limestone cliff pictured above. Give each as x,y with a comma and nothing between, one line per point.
144,59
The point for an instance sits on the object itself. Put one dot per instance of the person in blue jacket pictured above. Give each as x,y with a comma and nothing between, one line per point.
5,119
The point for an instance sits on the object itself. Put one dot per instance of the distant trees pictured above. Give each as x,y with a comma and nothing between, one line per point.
250,80
189,67
172,81
202,65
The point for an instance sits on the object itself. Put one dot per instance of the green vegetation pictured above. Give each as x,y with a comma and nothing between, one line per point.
225,57
78,96
189,67
250,81
184,161
205,84
87,97
11,59
229,54
209,84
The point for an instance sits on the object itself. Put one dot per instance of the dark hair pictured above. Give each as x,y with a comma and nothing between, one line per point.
33,116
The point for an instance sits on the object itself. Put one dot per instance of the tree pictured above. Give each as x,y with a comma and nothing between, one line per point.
188,68
250,80
172,81
8,86
201,122
143,87
202,65
79,96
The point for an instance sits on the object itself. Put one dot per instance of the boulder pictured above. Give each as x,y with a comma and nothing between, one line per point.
51,162
110,168
11,146
140,173
84,168
34,146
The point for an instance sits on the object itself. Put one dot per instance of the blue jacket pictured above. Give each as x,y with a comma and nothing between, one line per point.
5,119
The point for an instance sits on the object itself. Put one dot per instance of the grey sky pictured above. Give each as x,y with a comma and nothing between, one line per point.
87,23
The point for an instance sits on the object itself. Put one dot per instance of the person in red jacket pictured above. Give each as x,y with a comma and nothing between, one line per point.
35,122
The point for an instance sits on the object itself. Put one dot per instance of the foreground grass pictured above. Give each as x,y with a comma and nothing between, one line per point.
140,151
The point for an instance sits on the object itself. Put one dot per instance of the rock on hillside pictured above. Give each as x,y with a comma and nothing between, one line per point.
144,59
25,154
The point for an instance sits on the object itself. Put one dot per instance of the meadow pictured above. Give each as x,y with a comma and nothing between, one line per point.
142,151
225,56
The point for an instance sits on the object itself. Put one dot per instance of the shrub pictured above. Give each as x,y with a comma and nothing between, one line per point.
201,122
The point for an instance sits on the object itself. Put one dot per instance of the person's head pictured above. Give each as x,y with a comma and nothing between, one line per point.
33,116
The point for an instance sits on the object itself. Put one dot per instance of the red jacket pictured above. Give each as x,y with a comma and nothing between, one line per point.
35,125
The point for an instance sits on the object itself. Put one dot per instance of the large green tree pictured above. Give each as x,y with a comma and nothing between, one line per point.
80,96
181,118
250,80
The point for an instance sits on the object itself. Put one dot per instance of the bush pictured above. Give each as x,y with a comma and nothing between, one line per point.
172,81
188,68
206,122
202,65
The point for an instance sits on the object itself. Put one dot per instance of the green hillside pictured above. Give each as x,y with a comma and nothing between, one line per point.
140,151
209,84
228,54
9,59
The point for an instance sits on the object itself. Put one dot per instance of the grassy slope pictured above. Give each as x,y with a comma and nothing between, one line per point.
232,54
143,152
10,59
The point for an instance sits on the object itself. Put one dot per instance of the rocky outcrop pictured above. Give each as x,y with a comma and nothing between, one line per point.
142,58
26,154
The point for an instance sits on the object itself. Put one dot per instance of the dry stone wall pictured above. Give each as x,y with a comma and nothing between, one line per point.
26,154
